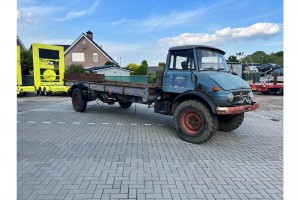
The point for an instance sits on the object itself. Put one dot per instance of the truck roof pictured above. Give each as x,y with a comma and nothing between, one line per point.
184,47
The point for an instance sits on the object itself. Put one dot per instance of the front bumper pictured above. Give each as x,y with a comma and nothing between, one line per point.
236,109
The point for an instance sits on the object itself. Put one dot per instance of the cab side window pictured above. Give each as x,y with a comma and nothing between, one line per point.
182,60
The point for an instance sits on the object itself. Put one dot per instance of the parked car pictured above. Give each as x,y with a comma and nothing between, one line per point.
276,72
265,69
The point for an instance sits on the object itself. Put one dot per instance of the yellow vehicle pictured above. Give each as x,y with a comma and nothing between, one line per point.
21,89
48,70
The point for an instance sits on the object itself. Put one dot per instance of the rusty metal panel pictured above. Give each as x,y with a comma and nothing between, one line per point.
96,87
133,84
69,83
145,91
133,91
85,77
114,89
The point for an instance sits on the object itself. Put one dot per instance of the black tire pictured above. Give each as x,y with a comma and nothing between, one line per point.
20,93
230,122
79,104
194,122
44,92
268,91
125,104
280,91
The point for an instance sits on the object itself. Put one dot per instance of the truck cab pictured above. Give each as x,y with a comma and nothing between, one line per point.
201,93
202,71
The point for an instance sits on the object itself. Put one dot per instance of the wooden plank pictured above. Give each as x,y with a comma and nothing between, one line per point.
84,77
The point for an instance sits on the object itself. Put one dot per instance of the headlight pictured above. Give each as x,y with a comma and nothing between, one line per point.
250,95
230,97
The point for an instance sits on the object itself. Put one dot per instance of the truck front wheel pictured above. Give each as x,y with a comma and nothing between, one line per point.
230,122
125,104
79,104
194,122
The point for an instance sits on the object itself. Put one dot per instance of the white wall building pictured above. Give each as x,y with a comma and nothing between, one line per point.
110,71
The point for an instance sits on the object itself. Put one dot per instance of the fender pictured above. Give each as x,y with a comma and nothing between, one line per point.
82,88
198,96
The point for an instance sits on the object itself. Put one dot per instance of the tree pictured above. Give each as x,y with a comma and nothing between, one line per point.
248,59
76,68
162,66
279,53
232,59
276,58
144,62
132,66
109,63
26,62
259,57
141,70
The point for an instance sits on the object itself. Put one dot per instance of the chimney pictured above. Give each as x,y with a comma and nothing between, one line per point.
89,34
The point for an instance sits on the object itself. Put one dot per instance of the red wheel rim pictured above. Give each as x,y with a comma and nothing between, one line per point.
191,122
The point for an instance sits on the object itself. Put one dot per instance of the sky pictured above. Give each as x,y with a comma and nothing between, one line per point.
134,30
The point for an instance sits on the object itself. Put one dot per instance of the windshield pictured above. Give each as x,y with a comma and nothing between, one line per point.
211,60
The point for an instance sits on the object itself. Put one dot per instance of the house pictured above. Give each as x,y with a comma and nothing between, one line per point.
109,70
84,50
20,43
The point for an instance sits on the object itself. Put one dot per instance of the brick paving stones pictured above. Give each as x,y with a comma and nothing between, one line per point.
114,153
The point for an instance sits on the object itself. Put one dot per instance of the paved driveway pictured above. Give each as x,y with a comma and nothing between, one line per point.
113,153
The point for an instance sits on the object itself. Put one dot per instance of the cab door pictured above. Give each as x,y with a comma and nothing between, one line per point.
180,72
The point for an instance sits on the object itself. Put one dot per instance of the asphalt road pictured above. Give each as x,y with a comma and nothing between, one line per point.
111,153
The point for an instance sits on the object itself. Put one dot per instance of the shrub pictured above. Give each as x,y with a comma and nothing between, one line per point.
76,68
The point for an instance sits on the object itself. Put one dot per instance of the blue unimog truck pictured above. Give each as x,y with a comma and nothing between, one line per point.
196,88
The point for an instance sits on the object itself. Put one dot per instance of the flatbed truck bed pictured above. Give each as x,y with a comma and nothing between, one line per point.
123,91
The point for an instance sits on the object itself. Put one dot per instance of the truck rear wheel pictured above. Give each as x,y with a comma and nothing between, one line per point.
194,122
230,122
125,104
79,104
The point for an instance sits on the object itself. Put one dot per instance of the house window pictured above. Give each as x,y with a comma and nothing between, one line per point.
78,57
95,57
